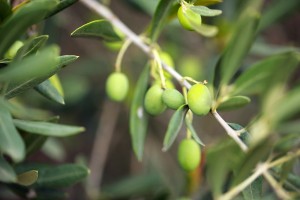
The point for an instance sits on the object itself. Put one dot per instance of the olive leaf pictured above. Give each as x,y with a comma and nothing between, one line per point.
205,11
234,103
162,12
49,91
174,126
238,47
138,116
47,128
7,173
189,125
11,142
27,178
101,29
29,14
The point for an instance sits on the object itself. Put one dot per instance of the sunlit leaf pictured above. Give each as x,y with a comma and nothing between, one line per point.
101,29
234,103
47,128
29,14
30,67
7,173
11,142
174,126
16,89
205,11
27,178
138,116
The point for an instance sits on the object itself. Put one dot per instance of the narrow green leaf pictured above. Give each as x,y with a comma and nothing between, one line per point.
207,2
174,126
31,66
161,15
254,190
49,91
247,164
66,60
31,46
47,128
234,103
18,110
101,29
205,11
258,77
11,142
5,10
61,176
61,5
221,158
239,45
276,10
34,142
288,106
29,14
289,127
207,30
14,90
7,173
138,116
134,185
190,127
27,178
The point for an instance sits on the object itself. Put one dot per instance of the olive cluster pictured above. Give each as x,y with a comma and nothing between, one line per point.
158,99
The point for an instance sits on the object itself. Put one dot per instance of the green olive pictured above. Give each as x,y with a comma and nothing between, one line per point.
172,98
188,18
189,154
12,51
117,86
153,100
199,99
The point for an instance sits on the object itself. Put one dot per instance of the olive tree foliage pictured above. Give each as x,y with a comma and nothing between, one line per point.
26,63
255,161
265,151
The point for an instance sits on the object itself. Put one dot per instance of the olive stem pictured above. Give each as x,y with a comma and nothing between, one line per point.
138,41
261,169
232,133
121,55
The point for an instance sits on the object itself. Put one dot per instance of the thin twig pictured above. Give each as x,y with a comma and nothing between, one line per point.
113,19
104,133
262,169
232,133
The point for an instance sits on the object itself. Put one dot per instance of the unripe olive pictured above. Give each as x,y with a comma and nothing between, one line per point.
12,51
188,19
153,100
113,46
189,154
199,99
169,83
172,98
117,86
